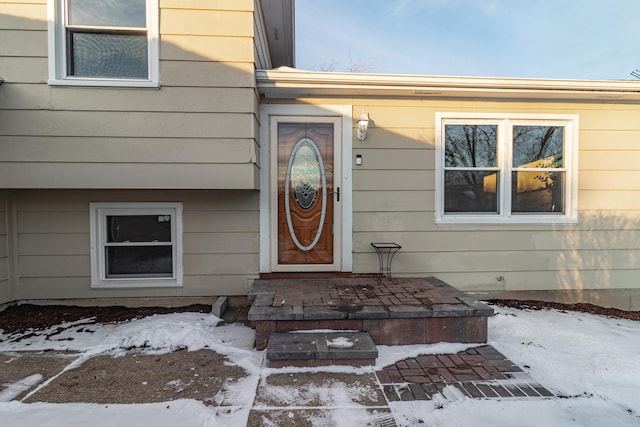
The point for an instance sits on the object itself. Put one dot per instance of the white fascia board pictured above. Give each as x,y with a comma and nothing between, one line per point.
289,83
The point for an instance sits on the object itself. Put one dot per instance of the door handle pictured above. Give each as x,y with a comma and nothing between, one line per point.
337,193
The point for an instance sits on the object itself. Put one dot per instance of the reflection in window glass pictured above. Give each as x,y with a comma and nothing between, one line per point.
109,13
468,191
539,191
538,146
513,169
138,261
137,241
138,245
139,228
470,146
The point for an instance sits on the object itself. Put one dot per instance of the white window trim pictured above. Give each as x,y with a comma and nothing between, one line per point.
571,124
58,54
98,213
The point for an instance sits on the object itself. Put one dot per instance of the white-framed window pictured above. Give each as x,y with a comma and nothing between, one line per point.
506,168
103,43
136,244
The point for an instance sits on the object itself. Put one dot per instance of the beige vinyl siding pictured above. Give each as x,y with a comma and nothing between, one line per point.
124,124
21,16
205,48
20,69
4,249
229,23
208,4
177,100
18,43
135,150
394,200
199,74
220,242
198,131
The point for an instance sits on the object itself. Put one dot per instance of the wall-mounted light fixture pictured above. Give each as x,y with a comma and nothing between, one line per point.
363,124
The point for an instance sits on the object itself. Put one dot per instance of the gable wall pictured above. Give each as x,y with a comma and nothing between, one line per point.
198,130
394,200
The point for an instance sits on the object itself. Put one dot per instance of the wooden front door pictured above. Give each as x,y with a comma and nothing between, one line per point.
306,196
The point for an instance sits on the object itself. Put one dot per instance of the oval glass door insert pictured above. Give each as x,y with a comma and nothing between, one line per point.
306,177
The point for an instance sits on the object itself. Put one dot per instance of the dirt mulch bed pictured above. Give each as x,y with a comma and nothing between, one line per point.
581,307
23,317
143,378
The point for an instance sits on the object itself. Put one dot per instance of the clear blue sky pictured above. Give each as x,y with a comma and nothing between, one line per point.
563,39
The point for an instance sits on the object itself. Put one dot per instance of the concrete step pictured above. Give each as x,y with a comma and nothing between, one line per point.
309,349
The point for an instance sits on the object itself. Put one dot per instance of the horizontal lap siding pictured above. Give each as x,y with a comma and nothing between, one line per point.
394,200
505,262
122,150
238,5
63,175
21,69
123,124
202,120
4,249
220,242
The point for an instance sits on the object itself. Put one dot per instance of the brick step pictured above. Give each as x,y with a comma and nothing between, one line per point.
309,349
412,311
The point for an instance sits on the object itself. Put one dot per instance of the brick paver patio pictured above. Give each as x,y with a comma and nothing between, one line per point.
359,292
411,311
480,372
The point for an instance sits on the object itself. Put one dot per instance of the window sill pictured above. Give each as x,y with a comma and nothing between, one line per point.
131,284
513,220
104,83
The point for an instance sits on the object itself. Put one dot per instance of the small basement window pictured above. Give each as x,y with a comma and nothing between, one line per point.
136,244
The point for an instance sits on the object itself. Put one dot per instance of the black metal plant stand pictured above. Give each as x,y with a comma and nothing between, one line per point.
388,249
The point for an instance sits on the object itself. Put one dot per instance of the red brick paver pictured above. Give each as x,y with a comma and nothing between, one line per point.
358,291
449,368
411,311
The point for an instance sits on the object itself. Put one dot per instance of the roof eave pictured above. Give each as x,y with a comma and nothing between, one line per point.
291,83
279,19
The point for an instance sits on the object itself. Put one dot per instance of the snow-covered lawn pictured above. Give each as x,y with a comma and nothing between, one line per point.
591,362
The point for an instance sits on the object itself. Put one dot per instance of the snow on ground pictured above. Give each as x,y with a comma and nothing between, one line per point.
340,342
346,400
592,362
18,387
177,413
